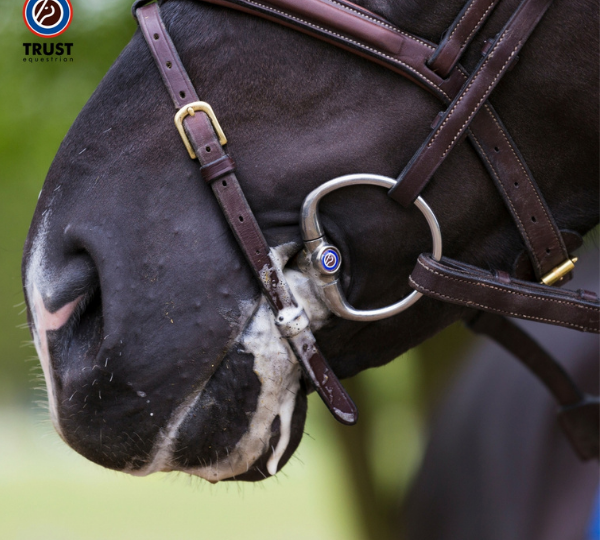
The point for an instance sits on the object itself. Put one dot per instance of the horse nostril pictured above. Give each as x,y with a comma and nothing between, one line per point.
78,277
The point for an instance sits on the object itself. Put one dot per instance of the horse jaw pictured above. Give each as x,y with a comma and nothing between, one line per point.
279,373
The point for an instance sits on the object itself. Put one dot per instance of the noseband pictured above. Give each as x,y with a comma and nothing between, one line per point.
527,293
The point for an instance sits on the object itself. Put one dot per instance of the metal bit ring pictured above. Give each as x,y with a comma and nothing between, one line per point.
322,261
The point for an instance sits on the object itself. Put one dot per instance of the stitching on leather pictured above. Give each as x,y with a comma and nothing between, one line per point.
514,212
437,132
348,40
484,98
525,295
542,205
478,23
462,46
460,69
381,23
496,310
460,21
477,75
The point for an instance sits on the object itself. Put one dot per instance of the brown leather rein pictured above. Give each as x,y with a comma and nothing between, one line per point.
435,68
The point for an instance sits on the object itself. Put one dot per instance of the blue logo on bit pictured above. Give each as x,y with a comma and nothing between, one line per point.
330,259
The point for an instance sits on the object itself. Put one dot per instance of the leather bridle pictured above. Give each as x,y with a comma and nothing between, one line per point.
527,293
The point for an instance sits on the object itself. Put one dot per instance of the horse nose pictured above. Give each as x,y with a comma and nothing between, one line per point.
91,392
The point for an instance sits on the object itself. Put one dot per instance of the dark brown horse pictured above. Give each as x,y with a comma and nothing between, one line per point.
158,351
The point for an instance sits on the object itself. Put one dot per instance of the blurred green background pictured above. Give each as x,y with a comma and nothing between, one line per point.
344,483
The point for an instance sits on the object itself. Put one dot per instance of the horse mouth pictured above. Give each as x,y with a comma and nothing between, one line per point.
126,407
243,423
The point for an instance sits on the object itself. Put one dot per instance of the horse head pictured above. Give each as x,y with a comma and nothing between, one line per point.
158,351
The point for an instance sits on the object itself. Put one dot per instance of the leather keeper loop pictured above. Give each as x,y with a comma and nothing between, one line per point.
217,169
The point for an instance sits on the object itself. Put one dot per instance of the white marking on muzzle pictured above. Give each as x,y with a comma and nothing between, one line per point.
276,367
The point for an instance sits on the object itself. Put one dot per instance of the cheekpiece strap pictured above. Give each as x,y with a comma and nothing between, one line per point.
204,140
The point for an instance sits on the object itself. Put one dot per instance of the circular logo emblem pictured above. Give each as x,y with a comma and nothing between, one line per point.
47,18
330,259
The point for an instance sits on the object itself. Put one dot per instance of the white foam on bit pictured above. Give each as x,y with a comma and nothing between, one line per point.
305,293
279,374
302,287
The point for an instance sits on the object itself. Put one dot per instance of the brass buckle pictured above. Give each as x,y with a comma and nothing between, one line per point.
559,272
191,109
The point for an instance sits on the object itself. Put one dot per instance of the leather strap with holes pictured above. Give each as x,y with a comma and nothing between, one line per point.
460,283
461,112
505,164
219,171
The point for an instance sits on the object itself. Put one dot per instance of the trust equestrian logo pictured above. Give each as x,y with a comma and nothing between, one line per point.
47,18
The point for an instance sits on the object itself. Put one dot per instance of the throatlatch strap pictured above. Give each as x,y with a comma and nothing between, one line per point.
460,283
218,169
579,413
459,35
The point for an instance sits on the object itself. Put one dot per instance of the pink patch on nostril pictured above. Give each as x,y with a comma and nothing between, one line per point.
53,321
